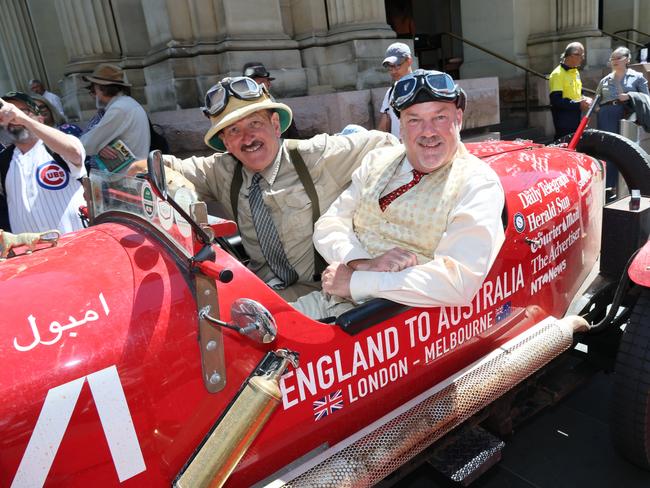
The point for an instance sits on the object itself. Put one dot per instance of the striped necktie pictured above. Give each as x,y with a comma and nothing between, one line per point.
267,235
386,200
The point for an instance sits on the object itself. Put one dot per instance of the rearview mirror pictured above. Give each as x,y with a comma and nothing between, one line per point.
156,170
253,320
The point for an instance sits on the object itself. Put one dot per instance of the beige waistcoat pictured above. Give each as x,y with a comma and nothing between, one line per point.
417,219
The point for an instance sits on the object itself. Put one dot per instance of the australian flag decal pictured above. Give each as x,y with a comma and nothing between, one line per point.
503,311
328,405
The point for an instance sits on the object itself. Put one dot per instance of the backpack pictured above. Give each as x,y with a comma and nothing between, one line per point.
158,140
5,161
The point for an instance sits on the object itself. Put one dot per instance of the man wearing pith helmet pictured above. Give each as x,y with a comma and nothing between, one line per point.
421,223
270,185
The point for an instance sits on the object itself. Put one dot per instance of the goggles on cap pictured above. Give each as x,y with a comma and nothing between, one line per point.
240,87
438,87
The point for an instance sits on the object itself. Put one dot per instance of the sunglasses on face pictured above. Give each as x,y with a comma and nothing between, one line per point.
240,87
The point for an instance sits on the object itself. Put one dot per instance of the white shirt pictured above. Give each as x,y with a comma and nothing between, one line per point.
386,108
55,101
40,194
124,119
462,259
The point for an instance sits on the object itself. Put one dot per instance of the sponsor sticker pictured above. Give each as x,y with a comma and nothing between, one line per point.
519,222
165,214
184,198
52,176
148,200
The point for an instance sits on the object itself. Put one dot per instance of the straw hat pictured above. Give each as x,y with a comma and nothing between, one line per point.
237,109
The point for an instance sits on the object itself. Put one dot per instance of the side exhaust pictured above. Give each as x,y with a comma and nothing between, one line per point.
370,455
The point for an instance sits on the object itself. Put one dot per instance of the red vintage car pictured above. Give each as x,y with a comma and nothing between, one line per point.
142,352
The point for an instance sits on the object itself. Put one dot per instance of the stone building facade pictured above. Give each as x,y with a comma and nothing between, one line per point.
325,54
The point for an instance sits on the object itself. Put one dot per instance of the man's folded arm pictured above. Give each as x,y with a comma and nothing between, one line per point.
462,260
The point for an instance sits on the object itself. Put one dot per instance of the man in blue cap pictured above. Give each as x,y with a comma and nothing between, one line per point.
398,62
421,222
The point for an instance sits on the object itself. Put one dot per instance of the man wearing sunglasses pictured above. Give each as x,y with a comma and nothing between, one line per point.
272,186
398,62
421,223
565,85
39,171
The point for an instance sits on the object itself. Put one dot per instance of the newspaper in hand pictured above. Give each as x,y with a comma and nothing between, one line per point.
121,159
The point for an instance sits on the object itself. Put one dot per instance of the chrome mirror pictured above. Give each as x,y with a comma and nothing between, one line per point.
253,320
156,171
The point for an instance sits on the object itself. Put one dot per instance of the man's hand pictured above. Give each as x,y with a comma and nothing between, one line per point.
623,97
336,280
9,113
394,260
585,103
108,153
137,167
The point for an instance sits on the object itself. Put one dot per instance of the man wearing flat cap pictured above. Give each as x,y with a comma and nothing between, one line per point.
39,171
273,188
398,62
258,72
125,119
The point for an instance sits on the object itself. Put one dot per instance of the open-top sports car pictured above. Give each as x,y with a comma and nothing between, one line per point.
142,352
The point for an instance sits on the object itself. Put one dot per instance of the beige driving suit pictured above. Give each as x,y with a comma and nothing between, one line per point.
330,161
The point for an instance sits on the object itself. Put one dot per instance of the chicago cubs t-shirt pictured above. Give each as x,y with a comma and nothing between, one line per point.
41,195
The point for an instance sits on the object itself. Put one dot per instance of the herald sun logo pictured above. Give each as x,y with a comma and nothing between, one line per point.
52,176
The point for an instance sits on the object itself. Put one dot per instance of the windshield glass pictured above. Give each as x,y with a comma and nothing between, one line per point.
118,192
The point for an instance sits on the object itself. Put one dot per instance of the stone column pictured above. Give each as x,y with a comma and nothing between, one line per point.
345,15
577,15
349,55
196,43
90,38
18,43
575,20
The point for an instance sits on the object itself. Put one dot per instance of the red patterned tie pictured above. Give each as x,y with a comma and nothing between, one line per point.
386,200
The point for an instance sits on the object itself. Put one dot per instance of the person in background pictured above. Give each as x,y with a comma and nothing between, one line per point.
37,87
40,170
615,105
125,119
420,224
52,118
567,101
258,72
398,62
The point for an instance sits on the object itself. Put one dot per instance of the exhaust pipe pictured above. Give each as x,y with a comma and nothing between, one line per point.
366,458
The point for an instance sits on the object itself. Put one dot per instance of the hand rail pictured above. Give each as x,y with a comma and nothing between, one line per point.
496,55
621,38
632,30
509,61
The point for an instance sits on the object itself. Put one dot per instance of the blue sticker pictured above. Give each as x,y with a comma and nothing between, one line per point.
519,221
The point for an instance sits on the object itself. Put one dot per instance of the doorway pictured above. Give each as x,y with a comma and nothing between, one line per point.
425,21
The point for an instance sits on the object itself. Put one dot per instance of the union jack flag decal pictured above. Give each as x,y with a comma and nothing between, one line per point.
328,404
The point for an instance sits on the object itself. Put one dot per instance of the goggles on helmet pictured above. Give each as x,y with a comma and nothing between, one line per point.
437,87
240,87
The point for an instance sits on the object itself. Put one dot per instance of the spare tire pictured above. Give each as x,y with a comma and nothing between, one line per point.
630,408
629,158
